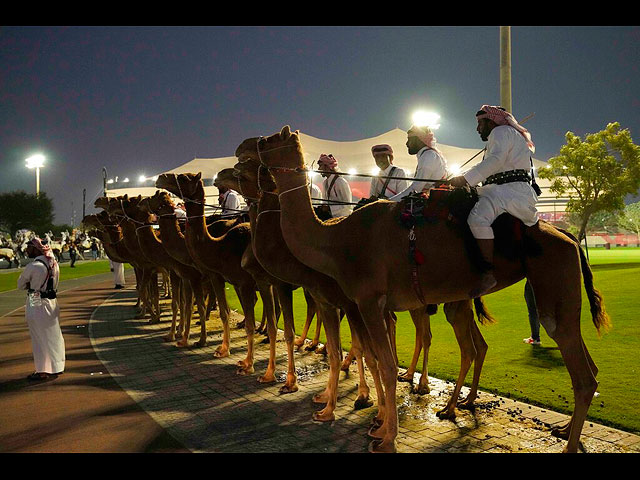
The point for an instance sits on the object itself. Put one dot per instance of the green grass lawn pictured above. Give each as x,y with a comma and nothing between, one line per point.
537,374
9,281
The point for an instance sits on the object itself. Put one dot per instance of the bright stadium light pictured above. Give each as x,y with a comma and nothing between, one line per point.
422,118
110,181
352,171
126,180
375,171
142,179
36,161
454,169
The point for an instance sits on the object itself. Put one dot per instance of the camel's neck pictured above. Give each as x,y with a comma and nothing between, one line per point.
171,233
308,239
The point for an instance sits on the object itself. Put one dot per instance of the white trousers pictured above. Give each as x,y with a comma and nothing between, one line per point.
118,272
46,337
516,198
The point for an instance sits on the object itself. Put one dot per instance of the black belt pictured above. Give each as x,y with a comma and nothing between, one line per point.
51,294
508,177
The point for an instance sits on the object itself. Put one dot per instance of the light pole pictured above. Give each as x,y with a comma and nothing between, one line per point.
37,162
505,68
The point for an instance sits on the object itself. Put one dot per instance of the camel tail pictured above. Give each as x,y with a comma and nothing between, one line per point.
484,317
600,317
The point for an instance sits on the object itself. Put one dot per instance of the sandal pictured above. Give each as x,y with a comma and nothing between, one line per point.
41,376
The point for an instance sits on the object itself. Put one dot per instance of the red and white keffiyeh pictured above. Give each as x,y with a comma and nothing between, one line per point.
426,136
44,249
383,148
502,117
328,161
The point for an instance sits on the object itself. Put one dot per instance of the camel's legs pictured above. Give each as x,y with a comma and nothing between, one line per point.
248,302
331,321
285,297
374,317
187,299
176,309
311,312
357,349
268,308
481,351
217,283
460,315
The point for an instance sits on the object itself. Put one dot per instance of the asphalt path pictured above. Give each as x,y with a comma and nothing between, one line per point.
82,411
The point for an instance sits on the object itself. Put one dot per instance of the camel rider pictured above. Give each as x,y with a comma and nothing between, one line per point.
386,187
229,202
431,163
335,188
506,182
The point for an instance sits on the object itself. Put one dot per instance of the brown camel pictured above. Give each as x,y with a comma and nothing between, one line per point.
146,274
223,255
257,182
346,250
188,278
130,238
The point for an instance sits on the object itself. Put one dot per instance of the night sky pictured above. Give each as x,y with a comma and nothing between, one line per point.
141,100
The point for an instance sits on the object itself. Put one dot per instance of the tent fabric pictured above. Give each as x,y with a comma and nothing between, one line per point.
350,155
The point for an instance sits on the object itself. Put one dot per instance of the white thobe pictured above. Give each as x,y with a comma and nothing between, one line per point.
44,327
316,194
432,166
506,150
394,186
230,203
118,272
340,191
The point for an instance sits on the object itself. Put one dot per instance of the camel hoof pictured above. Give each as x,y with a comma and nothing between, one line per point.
379,446
221,352
244,370
362,402
374,431
240,325
311,347
267,378
405,377
420,389
200,343
321,350
288,388
321,416
445,414
182,343
560,433
470,406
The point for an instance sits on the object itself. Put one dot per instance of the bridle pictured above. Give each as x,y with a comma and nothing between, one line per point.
300,170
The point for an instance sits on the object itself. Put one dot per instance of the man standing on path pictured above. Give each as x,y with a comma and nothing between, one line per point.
118,273
40,278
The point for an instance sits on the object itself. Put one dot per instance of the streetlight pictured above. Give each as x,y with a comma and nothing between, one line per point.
422,118
36,161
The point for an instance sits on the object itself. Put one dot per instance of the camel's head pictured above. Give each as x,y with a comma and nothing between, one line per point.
101,202
160,204
92,221
188,186
253,178
248,149
131,207
281,149
113,205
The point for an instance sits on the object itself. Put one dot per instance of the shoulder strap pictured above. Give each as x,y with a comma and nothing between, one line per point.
48,271
335,177
383,192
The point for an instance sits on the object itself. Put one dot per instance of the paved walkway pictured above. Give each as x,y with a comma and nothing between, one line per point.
201,402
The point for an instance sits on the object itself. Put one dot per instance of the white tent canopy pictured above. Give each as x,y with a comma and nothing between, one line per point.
354,155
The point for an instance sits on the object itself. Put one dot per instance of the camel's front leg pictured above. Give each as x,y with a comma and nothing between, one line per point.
217,283
285,295
331,320
248,301
266,293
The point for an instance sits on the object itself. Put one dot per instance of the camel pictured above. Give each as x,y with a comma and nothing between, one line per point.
187,278
223,255
346,250
116,249
258,183
149,270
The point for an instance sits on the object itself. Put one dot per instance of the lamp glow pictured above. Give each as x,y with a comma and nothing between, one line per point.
352,171
454,169
35,161
142,178
423,118
126,180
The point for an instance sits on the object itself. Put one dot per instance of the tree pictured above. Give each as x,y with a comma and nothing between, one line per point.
22,210
630,218
596,174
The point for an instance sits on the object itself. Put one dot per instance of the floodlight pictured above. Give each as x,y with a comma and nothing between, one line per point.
126,180
142,178
422,118
35,161
352,171
454,169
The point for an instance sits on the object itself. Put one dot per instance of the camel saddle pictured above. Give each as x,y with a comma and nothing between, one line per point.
453,205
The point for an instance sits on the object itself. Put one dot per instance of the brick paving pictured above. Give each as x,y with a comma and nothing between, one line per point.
201,401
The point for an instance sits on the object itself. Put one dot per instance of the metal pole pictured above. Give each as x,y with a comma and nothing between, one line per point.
104,181
505,68
37,181
84,198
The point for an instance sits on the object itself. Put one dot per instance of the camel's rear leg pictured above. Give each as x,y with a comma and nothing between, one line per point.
460,316
331,320
481,352
285,296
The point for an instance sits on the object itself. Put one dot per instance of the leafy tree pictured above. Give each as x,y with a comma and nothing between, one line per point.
596,174
630,218
23,210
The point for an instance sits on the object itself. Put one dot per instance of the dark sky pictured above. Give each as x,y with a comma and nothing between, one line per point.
147,99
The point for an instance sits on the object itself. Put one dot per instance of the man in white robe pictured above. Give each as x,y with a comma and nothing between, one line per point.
431,163
118,273
505,173
336,189
42,313
229,202
386,187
